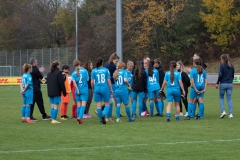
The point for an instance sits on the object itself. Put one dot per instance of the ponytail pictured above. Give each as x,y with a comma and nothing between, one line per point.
150,68
54,66
197,62
76,64
26,67
99,62
173,65
121,65
115,75
228,60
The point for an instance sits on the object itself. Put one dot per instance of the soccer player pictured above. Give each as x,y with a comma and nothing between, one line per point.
157,65
74,106
102,86
139,88
80,78
225,78
55,87
27,92
198,79
130,79
65,99
153,87
89,67
173,80
186,84
121,91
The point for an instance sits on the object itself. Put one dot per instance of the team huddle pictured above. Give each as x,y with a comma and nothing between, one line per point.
115,83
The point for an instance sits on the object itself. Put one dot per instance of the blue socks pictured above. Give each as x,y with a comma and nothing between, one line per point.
55,112
27,111
118,111
106,110
201,110
177,117
82,110
193,109
127,109
160,107
168,115
140,107
109,115
157,107
190,105
99,110
23,111
151,108
134,106
51,111
144,106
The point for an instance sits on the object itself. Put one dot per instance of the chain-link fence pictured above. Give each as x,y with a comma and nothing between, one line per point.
11,62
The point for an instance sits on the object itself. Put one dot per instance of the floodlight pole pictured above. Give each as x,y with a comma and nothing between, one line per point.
76,45
119,29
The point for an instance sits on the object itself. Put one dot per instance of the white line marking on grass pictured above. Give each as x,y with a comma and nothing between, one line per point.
118,146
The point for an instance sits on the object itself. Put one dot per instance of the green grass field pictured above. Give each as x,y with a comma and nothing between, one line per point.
146,138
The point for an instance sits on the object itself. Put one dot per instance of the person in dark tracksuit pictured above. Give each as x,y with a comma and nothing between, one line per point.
89,67
55,87
37,74
186,83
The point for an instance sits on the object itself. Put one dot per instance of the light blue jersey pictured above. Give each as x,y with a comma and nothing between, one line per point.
177,78
100,76
129,77
81,80
121,86
153,81
101,89
199,79
27,80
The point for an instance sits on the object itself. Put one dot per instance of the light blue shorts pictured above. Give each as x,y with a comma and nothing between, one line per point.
55,100
122,99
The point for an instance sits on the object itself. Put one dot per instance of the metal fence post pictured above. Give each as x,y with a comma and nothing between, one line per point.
42,57
66,52
27,55
7,64
20,63
50,56
13,62
58,54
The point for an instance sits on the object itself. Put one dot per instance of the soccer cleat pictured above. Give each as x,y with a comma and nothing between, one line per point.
85,116
63,118
110,120
187,118
230,116
30,121
103,119
181,114
54,122
161,115
118,120
66,117
157,115
33,119
133,115
131,119
168,119
24,120
223,114
88,115
145,114
79,121
96,112
186,114
46,118
198,118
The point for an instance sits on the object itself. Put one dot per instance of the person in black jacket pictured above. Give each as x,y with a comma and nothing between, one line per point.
157,65
55,85
89,67
37,75
139,88
186,83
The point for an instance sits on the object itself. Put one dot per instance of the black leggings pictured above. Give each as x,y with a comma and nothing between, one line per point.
185,102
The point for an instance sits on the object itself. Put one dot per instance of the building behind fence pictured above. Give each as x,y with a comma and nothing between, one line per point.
11,62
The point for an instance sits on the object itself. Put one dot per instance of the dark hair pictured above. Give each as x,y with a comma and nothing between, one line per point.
226,59
138,70
112,57
197,62
87,67
150,68
146,56
173,65
65,67
54,66
121,65
157,60
76,64
99,62
26,67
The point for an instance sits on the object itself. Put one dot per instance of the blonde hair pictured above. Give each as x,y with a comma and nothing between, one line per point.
26,67
76,64
182,67
226,59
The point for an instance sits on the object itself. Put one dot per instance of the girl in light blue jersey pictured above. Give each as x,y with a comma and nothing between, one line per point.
26,87
130,79
198,79
173,80
80,80
102,86
153,87
121,91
